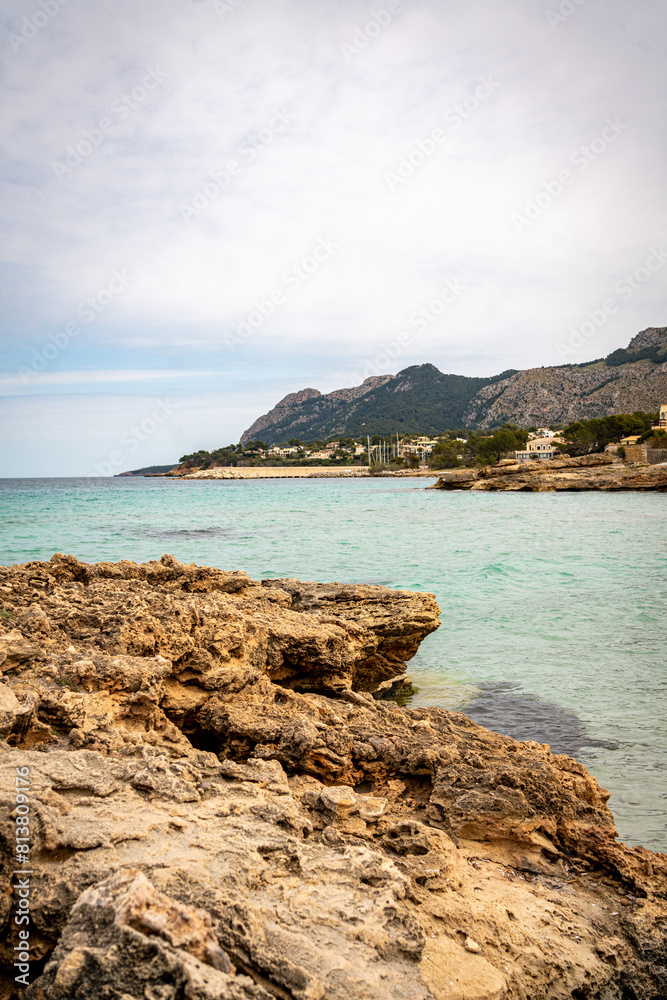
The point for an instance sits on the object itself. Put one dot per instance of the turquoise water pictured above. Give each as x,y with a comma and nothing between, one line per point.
553,605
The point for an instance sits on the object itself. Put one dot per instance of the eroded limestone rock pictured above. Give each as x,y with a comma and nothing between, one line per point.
589,472
217,812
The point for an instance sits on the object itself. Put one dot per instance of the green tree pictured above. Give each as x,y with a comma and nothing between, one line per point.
585,437
197,460
445,455
487,449
654,438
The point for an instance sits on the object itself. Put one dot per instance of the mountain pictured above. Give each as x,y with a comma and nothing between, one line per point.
423,399
419,398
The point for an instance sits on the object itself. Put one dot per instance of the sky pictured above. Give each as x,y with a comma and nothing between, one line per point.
207,204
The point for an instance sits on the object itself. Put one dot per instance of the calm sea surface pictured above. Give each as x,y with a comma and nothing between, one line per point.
553,605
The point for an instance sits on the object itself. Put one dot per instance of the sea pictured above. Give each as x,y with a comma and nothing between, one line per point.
553,604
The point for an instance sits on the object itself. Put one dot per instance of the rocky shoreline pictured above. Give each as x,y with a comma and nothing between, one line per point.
591,472
222,806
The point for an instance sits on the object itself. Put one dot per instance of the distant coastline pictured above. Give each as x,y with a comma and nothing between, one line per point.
275,472
592,472
148,470
633,438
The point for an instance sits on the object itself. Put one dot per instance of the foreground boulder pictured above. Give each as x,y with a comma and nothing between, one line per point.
221,809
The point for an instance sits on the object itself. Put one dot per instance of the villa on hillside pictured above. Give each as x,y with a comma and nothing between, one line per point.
661,423
635,452
539,448
417,446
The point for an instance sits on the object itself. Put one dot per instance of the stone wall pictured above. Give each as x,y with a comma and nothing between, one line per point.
655,456
635,453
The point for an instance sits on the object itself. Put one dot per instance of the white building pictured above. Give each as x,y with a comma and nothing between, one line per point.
421,446
539,448
543,432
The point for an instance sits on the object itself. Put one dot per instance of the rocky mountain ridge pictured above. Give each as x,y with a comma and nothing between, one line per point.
423,399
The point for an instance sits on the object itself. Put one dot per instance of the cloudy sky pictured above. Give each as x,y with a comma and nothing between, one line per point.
207,204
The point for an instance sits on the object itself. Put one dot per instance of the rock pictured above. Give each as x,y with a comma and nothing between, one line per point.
589,472
370,808
454,974
211,819
122,924
455,479
339,800
138,905
215,630
16,651
14,716
266,773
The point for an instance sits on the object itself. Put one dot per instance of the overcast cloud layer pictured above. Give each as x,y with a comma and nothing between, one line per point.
206,205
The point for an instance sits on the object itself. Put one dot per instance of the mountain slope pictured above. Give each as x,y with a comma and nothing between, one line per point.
419,398
422,398
632,378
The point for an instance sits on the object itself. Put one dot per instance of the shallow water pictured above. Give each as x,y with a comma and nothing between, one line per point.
553,605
